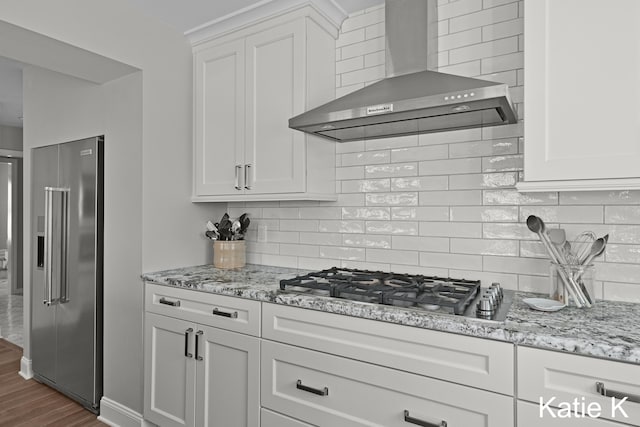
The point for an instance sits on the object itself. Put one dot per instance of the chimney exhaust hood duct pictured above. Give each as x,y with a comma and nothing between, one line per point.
411,99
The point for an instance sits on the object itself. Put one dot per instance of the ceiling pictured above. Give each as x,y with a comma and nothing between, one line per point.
178,14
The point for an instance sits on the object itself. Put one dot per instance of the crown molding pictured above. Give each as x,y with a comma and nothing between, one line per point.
260,11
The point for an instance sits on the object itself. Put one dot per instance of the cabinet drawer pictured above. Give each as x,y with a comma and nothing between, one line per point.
466,360
567,377
233,314
529,416
328,390
272,419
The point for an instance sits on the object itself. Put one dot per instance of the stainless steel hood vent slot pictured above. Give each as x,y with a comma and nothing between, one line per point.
408,101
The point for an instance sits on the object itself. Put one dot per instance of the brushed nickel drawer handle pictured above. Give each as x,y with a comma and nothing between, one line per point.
600,388
165,301
418,422
233,315
323,392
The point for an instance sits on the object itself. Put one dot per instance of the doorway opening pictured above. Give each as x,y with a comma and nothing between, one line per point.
11,264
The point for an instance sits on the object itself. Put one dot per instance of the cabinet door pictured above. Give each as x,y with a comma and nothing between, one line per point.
227,379
219,119
273,419
582,73
169,371
275,154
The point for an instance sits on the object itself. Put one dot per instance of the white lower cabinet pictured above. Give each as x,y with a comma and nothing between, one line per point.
604,389
328,390
272,419
198,375
529,415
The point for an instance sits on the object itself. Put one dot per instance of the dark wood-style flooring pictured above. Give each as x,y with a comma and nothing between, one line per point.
29,403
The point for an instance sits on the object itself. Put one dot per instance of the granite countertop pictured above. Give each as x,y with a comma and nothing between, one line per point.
608,330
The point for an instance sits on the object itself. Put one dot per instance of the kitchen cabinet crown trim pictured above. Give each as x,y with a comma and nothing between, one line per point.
266,9
267,197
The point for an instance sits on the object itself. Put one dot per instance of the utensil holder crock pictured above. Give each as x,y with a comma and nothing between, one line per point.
582,275
229,254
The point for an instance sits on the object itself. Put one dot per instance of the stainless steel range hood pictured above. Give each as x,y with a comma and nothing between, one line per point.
411,99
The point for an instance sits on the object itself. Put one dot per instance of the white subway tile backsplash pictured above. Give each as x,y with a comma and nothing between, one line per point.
420,243
392,199
573,214
627,197
483,50
364,75
333,226
484,213
503,163
366,185
485,247
367,241
511,61
483,148
623,253
513,197
423,213
420,183
350,172
484,17
342,253
391,170
451,198
427,152
368,213
351,37
500,30
348,65
457,8
463,38
392,256
408,228
362,48
444,203
621,214
451,229
482,181
443,260
450,167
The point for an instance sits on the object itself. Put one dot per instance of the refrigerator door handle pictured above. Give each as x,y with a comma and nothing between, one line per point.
55,208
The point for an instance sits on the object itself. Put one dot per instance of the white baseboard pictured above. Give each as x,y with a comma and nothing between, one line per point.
117,415
26,371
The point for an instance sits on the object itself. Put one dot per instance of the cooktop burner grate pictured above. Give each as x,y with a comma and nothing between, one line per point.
379,287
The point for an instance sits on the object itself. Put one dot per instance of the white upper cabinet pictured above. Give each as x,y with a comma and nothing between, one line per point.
582,85
247,84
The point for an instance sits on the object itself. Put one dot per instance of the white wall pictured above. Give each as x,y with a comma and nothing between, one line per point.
150,222
445,203
10,138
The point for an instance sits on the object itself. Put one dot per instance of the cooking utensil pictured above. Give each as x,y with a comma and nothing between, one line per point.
537,226
235,230
210,226
211,235
582,245
559,238
597,248
225,228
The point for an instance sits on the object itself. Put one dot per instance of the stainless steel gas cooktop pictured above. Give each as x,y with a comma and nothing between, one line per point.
418,292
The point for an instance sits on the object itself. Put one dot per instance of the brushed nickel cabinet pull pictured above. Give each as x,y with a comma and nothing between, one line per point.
233,315
247,176
165,301
418,422
237,185
323,392
600,388
186,342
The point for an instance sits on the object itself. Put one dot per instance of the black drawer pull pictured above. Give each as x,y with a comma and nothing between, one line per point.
165,301
186,342
323,392
198,357
600,388
418,422
233,315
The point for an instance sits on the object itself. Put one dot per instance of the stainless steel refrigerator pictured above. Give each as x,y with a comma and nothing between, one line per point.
66,268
